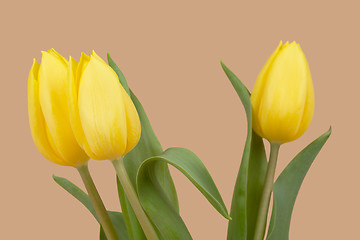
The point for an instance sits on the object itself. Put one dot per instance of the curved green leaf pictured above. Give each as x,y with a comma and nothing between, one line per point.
251,175
156,203
119,224
287,186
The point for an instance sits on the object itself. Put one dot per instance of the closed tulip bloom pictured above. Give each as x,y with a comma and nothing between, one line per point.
283,96
49,112
104,119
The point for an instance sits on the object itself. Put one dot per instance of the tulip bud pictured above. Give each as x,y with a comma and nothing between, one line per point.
105,121
283,96
49,112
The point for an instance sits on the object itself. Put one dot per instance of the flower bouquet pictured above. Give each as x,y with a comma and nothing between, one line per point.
86,110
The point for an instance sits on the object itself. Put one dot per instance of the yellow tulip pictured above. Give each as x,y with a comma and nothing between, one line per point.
103,117
49,111
283,96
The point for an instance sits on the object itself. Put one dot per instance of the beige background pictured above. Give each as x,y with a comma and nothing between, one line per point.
170,53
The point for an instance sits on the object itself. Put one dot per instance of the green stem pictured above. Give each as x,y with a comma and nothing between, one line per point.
133,199
97,203
265,197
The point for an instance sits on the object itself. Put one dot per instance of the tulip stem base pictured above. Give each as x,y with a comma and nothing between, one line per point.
102,214
134,200
266,194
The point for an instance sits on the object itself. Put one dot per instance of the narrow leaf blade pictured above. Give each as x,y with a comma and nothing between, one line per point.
256,179
132,224
116,217
148,146
119,224
119,73
77,193
251,175
287,186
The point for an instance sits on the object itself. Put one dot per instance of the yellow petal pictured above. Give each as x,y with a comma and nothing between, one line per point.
53,89
259,87
284,95
97,57
84,60
37,122
102,110
132,122
58,56
309,104
74,75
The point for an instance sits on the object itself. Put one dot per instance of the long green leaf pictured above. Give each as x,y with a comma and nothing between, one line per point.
251,175
287,186
256,179
157,204
132,224
119,73
148,146
119,223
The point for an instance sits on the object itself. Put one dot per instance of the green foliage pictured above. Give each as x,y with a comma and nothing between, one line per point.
132,224
116,217
118,221
250,179
120,75
148,146
155,202
77,193
251,176
156,183
147,167
287,186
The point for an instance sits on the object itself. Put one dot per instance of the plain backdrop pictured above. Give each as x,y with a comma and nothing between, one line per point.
170,53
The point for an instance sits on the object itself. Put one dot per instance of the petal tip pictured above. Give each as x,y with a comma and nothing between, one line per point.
35,62
84,54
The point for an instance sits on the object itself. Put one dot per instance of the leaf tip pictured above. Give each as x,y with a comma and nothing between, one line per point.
222,64
109,58
328,132
56,178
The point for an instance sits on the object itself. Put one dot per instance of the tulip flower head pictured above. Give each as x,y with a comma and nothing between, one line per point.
49,112
105,121
283,96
